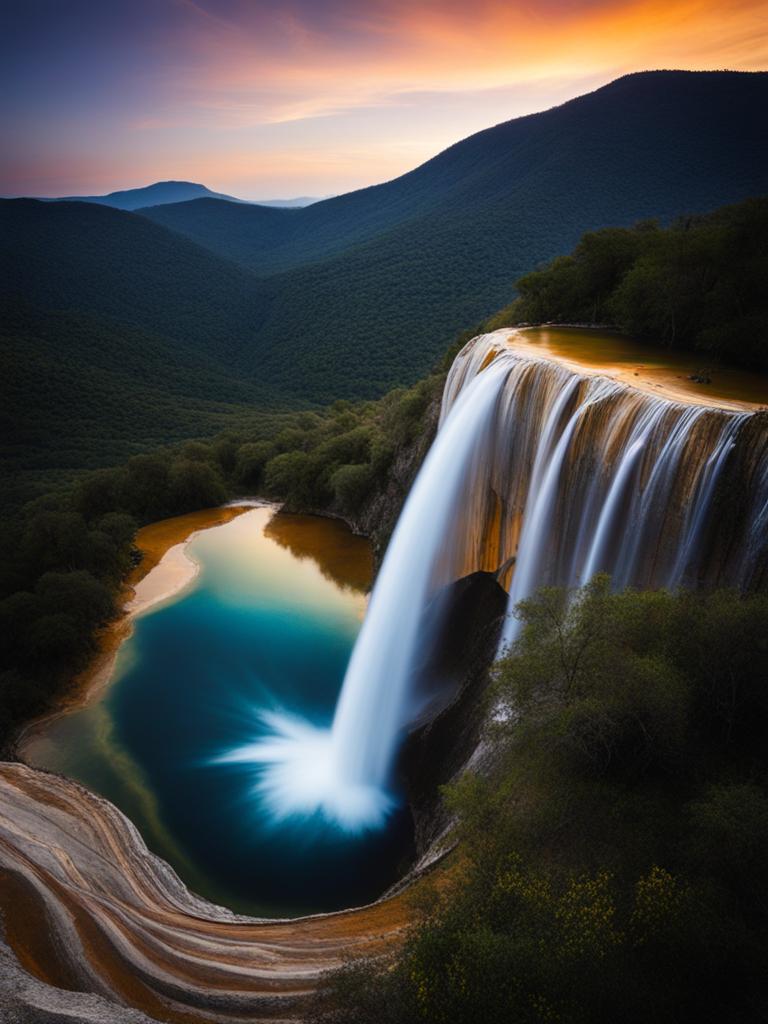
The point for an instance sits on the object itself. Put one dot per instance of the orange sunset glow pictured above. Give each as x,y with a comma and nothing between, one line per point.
274,100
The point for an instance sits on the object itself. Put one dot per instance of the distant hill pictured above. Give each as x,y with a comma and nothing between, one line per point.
251,235
159,194
88,258
163,192
81,391
116,335
288,203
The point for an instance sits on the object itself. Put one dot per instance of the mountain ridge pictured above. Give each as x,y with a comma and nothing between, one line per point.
475,164
360,293
363,285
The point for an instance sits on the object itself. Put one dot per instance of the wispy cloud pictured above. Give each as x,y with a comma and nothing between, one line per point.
173,84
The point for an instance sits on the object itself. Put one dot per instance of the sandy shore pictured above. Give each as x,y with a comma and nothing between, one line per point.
165,569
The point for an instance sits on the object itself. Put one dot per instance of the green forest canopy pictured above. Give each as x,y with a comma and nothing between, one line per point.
83,391
698,284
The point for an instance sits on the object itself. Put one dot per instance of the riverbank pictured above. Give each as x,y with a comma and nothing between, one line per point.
163,571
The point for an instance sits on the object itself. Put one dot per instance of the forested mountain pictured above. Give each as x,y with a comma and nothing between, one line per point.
86,258
81,391
183,315
116,335
365,288
647,145
252,235
352,295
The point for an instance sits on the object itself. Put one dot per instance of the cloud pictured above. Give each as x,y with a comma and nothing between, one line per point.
177,84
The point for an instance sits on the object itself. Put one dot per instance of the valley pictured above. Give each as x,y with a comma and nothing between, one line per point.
383,577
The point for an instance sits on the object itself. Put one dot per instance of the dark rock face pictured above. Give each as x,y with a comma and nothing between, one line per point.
455,676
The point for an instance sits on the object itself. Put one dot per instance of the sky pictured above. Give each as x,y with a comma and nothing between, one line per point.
267,100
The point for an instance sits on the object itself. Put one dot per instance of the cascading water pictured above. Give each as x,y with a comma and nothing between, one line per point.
559,474
344,773
371,707
611,479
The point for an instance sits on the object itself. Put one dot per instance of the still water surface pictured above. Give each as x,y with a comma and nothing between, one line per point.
268,623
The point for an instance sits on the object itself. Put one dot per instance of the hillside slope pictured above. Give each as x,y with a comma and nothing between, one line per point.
363,290
648,144
87,258
81,392
116,336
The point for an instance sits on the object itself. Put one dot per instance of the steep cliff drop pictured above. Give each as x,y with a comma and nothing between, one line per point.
555,473
582,473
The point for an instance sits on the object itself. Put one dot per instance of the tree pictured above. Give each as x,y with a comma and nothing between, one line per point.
54,540
85,599
195,485
99,493
147,486
352,485
250,463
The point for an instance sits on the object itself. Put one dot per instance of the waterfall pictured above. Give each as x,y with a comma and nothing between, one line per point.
609,478
344,772
372,705
555,473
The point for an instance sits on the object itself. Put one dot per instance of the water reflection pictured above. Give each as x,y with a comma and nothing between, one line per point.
267,625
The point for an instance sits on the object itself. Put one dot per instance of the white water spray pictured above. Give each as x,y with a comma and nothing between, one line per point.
345,773
566,474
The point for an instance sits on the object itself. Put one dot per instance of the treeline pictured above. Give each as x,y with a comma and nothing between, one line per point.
87,381
698,284
614,865
63,559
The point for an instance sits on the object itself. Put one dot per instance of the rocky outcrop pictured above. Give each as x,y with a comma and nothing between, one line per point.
26,1000
88,909
449,734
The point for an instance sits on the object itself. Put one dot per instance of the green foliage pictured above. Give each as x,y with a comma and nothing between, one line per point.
351,486
64,556
250,460
291,473
82,392
337,459
697,284
612,863
194,484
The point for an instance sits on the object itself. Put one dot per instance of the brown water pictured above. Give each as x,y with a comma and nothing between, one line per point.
341,556
660,371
